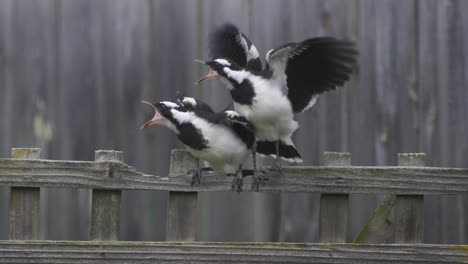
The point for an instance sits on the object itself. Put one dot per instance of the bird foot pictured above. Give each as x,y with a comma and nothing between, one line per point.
196,176
257,179
237,183
276,167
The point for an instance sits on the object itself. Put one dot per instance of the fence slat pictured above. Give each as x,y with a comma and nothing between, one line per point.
105,209
409,209
334,207
24,202
104,252
346,179
182,208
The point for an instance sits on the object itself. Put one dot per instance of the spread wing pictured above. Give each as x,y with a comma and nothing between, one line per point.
228,42
311,67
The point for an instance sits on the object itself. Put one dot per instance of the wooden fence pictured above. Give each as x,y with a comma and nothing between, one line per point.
391,235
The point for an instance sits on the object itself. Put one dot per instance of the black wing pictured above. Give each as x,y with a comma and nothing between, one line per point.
228,42
241,126
312,67
234,121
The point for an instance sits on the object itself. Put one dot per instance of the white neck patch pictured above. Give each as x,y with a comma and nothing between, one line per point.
169,104
223,62
232,114
238,76
183,117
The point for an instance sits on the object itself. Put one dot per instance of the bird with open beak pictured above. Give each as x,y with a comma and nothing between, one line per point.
223,139
294,76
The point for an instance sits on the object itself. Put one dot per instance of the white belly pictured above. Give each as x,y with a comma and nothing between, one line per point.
271,113
225,151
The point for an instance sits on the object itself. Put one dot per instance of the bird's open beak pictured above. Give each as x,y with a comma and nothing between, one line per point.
211,74
155,119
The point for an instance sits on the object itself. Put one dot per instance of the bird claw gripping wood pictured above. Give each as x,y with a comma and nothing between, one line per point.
257,179
276,167
196,176
237,183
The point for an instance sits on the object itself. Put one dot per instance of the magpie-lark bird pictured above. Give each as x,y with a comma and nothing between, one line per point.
294,76
223,139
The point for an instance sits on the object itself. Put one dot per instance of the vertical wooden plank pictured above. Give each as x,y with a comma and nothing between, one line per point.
227,216
334,207
409,213
362,108
6,92
24,203
427,69
461,126
105,208
181,222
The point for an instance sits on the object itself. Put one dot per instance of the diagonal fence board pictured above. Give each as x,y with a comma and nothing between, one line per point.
353,179
14,251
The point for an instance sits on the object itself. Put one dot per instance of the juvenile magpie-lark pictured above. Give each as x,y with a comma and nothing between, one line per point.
291,81
223,139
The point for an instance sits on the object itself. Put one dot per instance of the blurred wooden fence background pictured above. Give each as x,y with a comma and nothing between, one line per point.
72,73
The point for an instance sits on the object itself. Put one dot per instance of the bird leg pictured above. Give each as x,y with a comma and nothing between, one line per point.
276,167
237,181
256,179
197,174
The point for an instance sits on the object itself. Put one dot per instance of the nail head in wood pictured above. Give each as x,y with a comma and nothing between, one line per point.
105,209
24,203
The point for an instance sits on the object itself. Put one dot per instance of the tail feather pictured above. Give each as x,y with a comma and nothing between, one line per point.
287,150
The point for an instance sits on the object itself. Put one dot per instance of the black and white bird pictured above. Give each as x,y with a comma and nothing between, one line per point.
294,76
223,139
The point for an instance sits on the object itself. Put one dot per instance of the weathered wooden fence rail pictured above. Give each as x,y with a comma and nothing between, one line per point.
108,176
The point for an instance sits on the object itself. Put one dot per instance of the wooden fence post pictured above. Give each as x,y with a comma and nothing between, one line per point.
182,208
24,203
334,207
105,208
409,209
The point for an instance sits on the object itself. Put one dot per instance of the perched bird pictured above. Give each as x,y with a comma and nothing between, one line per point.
223,139
294,76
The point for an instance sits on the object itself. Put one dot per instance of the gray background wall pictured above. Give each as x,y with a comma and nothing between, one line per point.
72,74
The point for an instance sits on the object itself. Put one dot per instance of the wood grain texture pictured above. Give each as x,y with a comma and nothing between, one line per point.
181,222
24,203
193,252
116,175
398,218
380,229
105,207
409,209
334,207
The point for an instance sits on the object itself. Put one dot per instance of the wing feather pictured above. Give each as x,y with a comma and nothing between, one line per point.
228,42
311,67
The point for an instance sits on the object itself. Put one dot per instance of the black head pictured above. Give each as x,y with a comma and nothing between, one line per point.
221,67
165,113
